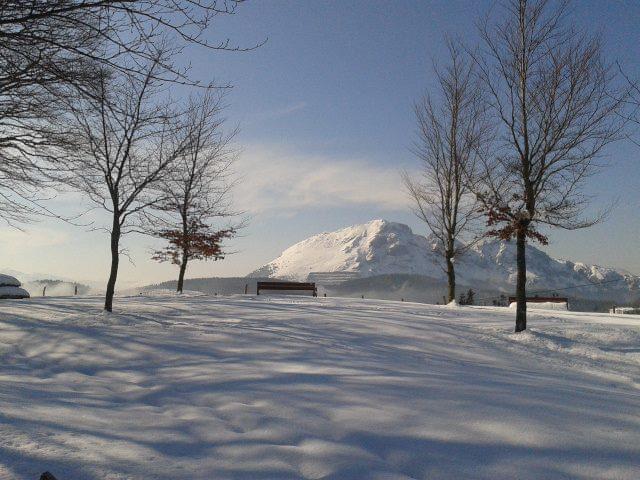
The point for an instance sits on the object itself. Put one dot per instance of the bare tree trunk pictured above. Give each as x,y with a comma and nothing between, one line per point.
115,259
521,282
451,278
185,251
183,269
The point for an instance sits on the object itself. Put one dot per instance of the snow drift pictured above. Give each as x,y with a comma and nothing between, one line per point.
10,288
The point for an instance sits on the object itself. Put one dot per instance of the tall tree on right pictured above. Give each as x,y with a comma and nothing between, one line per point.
552,96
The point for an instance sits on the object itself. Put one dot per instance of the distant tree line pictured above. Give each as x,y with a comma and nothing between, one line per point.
467,299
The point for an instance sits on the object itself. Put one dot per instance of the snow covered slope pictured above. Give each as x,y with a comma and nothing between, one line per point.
375,248
248,388
382,247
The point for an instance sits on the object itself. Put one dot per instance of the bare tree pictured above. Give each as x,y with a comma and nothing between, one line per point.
125,144
51,48
451,130
110,32
632,113
551,93
32,79
197,193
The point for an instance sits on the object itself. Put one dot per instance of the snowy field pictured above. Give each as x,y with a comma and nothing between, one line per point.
290,388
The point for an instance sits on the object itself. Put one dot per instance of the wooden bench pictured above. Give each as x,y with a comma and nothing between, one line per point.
289,286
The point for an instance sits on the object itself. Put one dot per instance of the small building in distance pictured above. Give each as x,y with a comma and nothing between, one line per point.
10,287
330,279
543,303
624,311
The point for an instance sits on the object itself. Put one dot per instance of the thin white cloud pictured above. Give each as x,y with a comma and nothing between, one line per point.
13,240
284,180
289,109
279,112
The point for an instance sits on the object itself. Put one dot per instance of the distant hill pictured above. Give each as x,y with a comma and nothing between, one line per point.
55,288
410,288
211,285
417,288
56,285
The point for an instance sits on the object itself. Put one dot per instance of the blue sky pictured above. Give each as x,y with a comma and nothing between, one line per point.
326,124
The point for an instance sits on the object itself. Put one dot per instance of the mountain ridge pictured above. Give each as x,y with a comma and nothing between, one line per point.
382,247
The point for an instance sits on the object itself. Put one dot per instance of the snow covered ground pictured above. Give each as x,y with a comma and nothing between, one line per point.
289,387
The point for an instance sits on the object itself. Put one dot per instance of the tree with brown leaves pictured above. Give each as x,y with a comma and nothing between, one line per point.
197,192
195,241
552,96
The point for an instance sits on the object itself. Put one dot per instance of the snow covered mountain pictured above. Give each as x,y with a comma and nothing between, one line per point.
381,247
375,248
